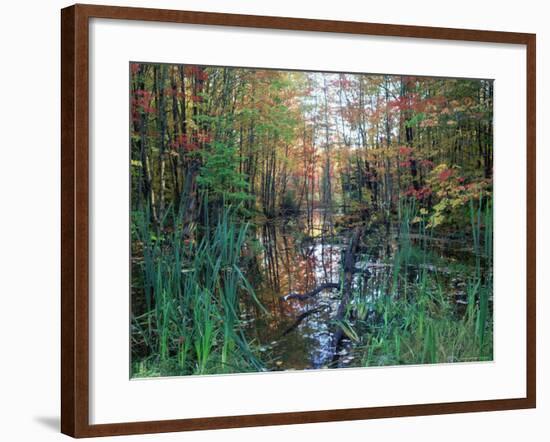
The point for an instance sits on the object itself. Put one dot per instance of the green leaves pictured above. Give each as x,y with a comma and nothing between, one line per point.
415,120
219,174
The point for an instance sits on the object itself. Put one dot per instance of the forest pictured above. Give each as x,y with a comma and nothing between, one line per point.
289,220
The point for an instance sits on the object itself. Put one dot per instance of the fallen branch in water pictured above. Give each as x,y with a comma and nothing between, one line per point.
312,293
349,266
300,318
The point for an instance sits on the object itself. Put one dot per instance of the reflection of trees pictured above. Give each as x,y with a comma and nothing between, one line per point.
327,247
298,258
271,255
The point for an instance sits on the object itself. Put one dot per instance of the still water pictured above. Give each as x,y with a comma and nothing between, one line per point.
298,255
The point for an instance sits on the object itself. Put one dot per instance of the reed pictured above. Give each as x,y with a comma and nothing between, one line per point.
190,292
427,325
481,219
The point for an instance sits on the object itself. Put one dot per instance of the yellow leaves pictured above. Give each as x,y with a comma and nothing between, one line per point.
437,220
456,202
438,217
441,205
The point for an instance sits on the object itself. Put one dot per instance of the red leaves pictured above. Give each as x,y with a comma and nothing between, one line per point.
410,80
134,68
444,175
144,93
188,144
401,103
414,102
427,163
191,143
142,102
196,71
406,102
190,147
420,194
406,152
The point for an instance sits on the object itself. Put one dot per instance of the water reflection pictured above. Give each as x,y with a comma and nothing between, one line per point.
296,256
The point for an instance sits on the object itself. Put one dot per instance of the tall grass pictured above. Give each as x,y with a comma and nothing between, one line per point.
188,292
417,320
481,218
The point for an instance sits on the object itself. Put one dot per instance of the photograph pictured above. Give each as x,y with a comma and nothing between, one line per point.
275,221
293,220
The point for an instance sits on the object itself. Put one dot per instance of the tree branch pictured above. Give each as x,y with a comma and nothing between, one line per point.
312,293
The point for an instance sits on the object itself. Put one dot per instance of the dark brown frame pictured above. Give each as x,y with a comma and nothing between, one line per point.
74,220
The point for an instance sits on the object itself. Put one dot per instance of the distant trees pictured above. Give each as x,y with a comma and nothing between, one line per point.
277,142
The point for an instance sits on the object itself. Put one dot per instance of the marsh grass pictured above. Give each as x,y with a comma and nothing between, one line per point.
189,323
190,291
415,319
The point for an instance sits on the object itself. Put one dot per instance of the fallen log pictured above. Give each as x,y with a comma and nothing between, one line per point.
312,293
349,267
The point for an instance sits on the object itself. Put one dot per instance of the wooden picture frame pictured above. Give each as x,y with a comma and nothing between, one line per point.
75,219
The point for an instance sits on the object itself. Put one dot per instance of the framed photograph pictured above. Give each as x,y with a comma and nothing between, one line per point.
273,220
